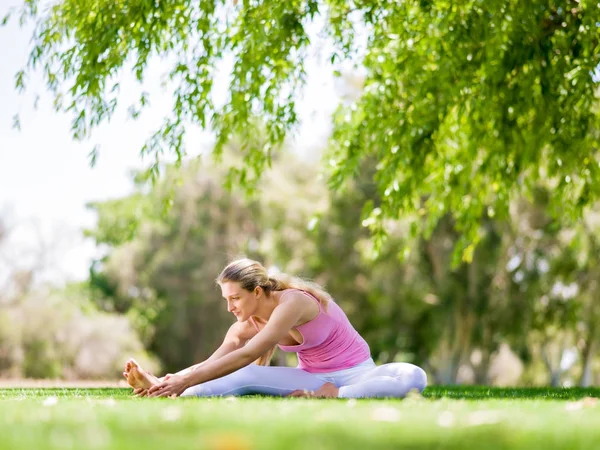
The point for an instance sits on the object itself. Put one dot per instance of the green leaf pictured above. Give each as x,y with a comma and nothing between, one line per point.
93,155
16,122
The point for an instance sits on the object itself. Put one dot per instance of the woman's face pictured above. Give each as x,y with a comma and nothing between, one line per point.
240,302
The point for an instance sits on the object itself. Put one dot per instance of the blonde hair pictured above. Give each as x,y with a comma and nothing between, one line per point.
250,274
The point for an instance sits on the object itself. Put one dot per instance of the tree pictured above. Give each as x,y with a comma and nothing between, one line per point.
582,266
518,289
464,105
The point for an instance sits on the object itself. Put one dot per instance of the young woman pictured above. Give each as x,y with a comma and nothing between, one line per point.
297,316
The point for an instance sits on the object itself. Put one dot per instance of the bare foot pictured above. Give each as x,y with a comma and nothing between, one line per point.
137,377
328,390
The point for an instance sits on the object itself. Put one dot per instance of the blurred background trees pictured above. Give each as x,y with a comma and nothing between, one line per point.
56,332
524,310
453,215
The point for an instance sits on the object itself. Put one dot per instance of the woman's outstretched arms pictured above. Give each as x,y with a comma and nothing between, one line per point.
284,317
237,336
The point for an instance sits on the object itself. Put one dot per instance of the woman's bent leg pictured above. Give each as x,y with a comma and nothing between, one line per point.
388,380
254,379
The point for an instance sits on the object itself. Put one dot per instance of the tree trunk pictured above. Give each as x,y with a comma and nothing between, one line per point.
482,370
554,373
588,353
279,359
555,378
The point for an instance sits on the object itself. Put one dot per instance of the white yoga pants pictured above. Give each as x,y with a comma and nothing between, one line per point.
362,381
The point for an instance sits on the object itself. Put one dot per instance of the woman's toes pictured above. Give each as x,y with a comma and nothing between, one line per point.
133,363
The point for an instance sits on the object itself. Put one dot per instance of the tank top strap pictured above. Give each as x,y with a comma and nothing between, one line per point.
308,294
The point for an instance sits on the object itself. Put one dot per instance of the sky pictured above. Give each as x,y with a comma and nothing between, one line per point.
45,176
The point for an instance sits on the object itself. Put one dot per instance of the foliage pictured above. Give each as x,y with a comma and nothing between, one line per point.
422,308
57,333
476,123
465,106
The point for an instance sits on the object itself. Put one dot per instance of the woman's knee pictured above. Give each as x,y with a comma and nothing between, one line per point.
408,373
419,379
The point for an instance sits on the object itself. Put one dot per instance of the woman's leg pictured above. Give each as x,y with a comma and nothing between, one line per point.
254,379
388,380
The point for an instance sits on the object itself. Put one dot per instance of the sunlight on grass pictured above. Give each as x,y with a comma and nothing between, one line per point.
449,418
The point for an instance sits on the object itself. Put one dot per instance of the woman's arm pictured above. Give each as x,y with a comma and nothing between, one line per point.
238,334
284,317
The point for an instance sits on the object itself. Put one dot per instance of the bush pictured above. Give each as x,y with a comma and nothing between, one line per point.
59,334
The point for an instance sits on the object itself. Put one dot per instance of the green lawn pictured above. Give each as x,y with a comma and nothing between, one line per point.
444,418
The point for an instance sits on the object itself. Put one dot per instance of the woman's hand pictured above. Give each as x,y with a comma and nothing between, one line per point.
140,392
172,386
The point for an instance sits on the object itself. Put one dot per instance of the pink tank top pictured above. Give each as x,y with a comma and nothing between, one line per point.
330,341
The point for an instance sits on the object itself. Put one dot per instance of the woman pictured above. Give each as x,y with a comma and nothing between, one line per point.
297,316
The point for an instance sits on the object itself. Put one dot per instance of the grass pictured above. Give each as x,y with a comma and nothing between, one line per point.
444,418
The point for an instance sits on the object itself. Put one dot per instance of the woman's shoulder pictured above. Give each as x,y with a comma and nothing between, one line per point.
299,299
294,293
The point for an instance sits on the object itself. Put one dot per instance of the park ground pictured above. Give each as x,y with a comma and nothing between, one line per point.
441,418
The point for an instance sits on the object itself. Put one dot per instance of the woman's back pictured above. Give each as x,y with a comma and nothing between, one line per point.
330,342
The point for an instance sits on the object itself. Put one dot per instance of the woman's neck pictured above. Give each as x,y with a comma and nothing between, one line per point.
267,305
